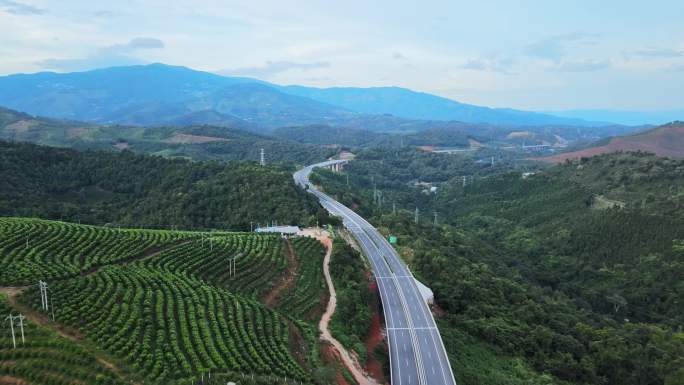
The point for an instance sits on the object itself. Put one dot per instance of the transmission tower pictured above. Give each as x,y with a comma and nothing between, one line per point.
262,159
435,218
415,217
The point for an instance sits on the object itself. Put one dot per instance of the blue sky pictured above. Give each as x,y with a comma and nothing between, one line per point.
535,55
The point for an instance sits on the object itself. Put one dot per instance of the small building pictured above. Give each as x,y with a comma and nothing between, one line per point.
283,230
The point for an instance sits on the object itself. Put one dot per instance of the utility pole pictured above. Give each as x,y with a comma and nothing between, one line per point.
43,295
11,320
251,226
21,318
394,208
492,161
262,160
435,218
415,218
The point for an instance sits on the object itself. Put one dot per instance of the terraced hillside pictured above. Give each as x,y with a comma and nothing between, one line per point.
32,249
46,358
167,306
259,260
308,294
171,326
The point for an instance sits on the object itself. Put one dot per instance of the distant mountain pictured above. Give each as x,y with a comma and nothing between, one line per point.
404,103
159,94
631,118
666,140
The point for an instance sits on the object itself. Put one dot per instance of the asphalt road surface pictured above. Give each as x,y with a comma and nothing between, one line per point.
417,355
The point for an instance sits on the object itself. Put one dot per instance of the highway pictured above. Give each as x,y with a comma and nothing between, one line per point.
417,354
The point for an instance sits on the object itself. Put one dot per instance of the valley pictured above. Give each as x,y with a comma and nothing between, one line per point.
341,193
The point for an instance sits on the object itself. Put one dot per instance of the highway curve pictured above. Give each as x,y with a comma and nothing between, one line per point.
417,354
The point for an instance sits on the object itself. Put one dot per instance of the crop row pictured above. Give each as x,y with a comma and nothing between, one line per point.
32,249
171,325
258,261
45,358
309,292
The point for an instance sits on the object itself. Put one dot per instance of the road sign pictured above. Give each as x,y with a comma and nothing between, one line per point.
392,239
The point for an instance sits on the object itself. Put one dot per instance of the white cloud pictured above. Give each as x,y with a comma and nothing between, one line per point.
113,55
583,65
493,63
16,8
272,68
655,53
555,48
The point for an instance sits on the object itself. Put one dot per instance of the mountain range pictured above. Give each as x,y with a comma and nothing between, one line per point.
159,94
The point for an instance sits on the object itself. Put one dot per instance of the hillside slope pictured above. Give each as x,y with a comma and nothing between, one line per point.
101,187
410,104
162,307
574,272
196,142
666,140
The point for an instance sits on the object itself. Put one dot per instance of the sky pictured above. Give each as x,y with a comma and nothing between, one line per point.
533,55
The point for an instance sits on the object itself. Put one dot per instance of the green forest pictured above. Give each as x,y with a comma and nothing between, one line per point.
567,274
125,189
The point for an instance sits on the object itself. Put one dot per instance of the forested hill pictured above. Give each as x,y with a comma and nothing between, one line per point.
100,187
196,142
574,272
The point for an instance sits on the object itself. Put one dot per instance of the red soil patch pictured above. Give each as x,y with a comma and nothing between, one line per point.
288,279
331,356
297,344
21,126
346,155
9,380
76,132
667,140
375,337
